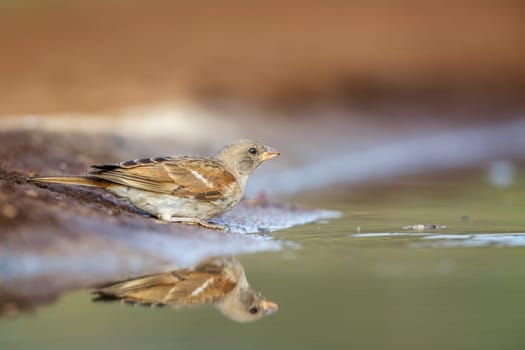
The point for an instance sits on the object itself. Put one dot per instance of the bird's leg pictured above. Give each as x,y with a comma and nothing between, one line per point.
194,221
210,225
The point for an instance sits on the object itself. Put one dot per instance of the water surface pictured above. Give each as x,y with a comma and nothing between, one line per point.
361,281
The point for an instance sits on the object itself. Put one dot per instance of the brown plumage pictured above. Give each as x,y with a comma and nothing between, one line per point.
179,188
219,281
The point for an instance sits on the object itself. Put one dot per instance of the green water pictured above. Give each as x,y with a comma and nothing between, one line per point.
341,291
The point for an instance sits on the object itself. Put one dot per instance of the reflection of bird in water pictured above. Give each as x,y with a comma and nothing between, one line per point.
218,281
180,188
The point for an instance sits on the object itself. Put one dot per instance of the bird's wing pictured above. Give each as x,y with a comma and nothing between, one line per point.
197,287
208,283
203,178
146,289
176,288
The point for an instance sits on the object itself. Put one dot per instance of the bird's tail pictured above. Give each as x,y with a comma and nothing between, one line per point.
83,180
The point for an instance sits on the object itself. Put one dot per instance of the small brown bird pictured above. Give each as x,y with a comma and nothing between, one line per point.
218,281
179,188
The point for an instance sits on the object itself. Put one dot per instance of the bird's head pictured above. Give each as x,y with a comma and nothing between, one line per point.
246,305
245,156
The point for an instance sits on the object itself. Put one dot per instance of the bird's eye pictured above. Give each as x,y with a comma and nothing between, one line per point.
252,150
253,310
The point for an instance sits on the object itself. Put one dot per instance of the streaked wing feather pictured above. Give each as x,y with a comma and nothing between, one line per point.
199,288
147,289
208,283
205,180
148,177
178,288
133,163
202,178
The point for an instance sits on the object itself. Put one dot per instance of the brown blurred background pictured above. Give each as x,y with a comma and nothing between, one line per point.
93,55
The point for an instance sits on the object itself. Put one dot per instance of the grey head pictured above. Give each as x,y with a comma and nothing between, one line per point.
245,304
243,157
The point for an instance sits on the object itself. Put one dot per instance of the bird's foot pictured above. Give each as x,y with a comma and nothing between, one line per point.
210,225
196,221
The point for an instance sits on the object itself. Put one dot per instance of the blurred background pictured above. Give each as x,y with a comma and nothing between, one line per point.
352,75
394,112
93,55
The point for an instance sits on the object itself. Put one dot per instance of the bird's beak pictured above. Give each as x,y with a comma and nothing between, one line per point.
269,307
269,153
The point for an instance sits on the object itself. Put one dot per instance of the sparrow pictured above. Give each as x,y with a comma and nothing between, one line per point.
185,189
218,281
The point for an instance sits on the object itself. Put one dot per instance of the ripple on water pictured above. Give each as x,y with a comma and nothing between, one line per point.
455,240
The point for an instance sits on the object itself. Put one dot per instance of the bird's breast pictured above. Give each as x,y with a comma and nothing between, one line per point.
161,204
